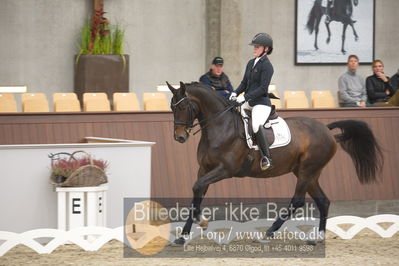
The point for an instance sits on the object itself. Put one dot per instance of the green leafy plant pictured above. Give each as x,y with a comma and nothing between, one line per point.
99,37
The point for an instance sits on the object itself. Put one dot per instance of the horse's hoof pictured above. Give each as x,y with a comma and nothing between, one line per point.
343,52
356,39
179,242
270,233
311,242
204,224
328,41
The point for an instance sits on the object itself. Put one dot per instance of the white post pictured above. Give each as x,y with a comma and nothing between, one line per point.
91,211
101,211
81,206
61,204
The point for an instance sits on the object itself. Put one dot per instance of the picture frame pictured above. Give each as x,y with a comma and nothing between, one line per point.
311,15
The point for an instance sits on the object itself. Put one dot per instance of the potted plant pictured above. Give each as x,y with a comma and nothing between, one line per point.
101,65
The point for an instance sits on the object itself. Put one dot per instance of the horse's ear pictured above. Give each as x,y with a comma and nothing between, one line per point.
173,90
182,87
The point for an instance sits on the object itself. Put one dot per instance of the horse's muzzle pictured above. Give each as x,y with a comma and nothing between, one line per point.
181,134
180,139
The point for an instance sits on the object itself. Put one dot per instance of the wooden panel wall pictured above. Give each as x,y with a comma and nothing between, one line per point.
174,165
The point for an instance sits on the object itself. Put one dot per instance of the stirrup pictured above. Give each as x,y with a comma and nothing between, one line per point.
265,163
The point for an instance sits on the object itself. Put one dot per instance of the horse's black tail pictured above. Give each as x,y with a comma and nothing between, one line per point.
311,24
358,141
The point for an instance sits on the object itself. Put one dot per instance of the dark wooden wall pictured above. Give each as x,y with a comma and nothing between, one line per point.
174,165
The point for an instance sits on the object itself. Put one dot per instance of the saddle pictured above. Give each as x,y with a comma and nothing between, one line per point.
277,132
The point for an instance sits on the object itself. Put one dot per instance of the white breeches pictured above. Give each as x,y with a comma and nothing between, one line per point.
260,113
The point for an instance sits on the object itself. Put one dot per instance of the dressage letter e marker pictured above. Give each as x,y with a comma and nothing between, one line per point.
74,200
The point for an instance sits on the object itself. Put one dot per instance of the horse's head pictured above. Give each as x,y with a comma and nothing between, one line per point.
183,112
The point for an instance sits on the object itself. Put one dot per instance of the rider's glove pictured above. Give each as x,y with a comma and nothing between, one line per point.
233,96
240,99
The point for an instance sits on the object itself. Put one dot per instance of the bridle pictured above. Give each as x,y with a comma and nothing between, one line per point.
191,115
189,124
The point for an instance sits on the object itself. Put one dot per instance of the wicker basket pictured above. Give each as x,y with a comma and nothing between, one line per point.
85,176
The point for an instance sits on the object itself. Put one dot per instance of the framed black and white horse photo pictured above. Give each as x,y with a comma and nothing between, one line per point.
327,31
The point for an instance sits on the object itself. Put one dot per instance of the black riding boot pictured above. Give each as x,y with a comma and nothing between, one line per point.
266,160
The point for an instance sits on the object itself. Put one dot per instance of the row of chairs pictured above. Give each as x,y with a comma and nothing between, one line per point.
298,99
153,101
92,102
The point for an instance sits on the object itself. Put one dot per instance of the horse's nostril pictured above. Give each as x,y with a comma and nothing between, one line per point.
180,139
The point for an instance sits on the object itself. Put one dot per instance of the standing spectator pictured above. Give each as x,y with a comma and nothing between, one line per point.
352,90
379,88
217,79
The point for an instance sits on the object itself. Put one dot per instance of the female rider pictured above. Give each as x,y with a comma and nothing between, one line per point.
257,77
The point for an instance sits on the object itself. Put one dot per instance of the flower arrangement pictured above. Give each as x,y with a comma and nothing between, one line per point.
99,37
63,168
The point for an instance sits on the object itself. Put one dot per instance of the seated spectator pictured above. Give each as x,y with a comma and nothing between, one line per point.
395,81
379,88
217,79
352,90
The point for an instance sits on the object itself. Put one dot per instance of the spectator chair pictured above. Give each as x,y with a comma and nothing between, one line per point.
125,101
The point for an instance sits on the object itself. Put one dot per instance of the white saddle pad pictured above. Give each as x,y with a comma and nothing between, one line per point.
282,133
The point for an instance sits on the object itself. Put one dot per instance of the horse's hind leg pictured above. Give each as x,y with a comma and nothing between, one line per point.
322,202
316,33
329,32
354,32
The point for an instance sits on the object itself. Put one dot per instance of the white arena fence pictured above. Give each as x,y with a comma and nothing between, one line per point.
76,236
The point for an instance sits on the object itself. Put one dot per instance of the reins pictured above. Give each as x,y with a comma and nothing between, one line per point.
211,118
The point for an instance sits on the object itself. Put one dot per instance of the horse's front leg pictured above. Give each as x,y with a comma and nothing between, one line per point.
199,189
297,201
343,38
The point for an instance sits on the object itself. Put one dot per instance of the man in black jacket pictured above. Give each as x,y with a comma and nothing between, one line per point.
395,81
255,84
379,87
217,79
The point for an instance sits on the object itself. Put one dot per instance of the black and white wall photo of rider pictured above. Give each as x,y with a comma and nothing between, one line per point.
327,31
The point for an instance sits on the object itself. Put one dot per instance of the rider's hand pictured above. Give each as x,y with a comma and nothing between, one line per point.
240,99
233,96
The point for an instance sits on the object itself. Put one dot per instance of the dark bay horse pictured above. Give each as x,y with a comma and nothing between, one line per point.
340,12
222,151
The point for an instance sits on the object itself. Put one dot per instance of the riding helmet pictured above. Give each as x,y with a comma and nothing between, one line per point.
263,39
